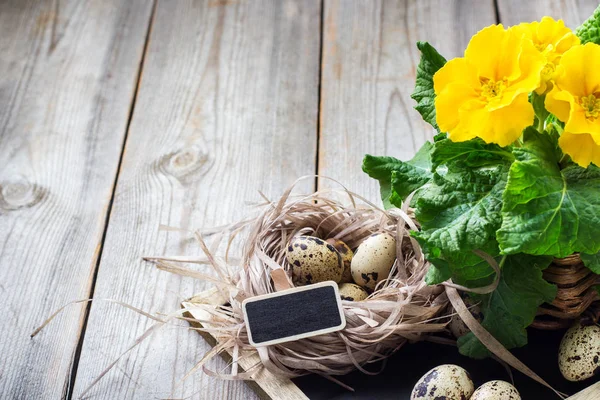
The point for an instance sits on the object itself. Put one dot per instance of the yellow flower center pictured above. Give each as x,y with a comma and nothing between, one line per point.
591,106
548,71
491,89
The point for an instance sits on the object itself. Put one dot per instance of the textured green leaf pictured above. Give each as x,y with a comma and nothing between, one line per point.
471,270
592,261
589,31
512,306
438,272
397,179
460,210
424,95
440,136
465,268
549,211
475,153
381,168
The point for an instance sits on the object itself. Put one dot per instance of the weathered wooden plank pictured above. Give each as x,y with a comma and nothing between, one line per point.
591,393
512,12
369,61
68,73
227,106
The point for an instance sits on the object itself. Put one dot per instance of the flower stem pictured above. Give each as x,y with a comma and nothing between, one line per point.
564,161
540,125
502,261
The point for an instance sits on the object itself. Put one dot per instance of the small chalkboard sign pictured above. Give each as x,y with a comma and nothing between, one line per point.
293,314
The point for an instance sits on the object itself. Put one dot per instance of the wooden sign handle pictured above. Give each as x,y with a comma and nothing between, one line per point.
265,384
281,280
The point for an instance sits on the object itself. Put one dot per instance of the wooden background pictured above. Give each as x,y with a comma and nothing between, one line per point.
117,116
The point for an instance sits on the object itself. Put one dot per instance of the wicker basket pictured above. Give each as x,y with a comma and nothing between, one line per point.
576,295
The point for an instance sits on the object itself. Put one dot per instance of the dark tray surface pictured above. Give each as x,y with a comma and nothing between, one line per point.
405,368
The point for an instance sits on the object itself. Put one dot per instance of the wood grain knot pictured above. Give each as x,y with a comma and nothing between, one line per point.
185,163
19,193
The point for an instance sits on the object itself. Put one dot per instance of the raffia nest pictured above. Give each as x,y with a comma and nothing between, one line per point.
402,308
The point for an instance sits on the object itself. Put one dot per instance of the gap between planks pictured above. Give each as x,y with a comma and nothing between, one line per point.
319,93
73,373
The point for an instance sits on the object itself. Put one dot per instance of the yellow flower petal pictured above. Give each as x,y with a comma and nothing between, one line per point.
495,52
554,33
558,102
581,147
578,122
502,126
462,131
551,38
566,42
581,76
448,102
531,63
575,100
457,70
485,93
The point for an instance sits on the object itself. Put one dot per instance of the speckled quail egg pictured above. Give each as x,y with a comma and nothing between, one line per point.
456,326
346,254
352,292
312,261
444,382
373,260
579,352
496,390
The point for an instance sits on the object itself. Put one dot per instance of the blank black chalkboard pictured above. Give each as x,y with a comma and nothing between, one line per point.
293,314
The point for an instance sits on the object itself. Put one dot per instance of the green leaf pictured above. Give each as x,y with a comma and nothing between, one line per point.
589,31
460,210
512,306
415,173
465,268
397,179
381,168
471,270
424,95
440,136
470,154
438,272
592,261
549,211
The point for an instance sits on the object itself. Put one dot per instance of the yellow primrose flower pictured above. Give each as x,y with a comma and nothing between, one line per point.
484,94
552,38
575,100
582,148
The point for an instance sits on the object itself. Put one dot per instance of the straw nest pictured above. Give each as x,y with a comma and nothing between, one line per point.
402,308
